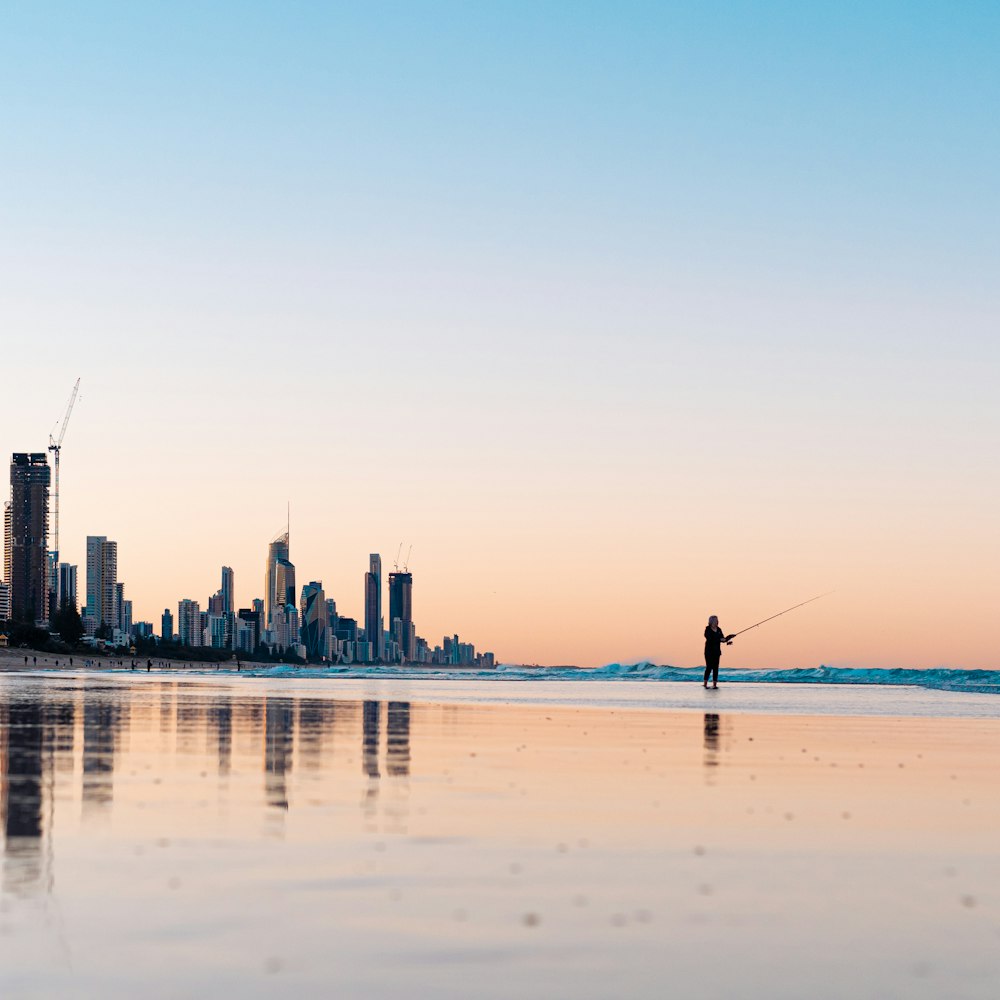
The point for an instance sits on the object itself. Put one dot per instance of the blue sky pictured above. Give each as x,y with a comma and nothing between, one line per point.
591,247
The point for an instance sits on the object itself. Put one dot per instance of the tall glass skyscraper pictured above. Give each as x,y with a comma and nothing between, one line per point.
315,620
228,579
67,584
279,577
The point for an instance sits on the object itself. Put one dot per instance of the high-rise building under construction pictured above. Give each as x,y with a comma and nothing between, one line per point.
26,536
401,612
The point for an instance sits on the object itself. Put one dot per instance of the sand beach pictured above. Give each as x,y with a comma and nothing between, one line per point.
179,836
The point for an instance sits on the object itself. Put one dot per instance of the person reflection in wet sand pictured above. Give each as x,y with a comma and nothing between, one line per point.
711,739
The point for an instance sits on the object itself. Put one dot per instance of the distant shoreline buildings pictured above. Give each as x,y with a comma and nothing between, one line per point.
285,624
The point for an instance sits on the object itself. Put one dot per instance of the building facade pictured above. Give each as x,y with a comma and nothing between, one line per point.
102,583
373,606
315,621
279,577
228,580
401,612
6,540
251,619
189,628
27,536
67,584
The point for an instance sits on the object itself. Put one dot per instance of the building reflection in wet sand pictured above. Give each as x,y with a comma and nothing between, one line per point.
103,722
279,727
76,735
21,793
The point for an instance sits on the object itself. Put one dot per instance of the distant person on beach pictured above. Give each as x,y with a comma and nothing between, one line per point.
714,638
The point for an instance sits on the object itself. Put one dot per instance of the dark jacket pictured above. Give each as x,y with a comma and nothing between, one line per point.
713,642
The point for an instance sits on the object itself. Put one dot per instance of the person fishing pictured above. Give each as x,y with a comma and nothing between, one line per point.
714,638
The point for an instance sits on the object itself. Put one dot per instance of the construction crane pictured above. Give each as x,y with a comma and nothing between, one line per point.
395,565
55,446
406,565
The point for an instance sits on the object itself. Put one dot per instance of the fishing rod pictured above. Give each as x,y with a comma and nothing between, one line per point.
780,613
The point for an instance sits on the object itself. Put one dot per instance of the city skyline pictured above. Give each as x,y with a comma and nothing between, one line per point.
665,311
286,622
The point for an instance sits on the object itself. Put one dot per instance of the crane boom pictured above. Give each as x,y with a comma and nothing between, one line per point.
55,446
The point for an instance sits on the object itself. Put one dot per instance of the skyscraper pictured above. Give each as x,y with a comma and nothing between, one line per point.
279,577
285,627
6,540
189,629
284,586
123,610
373,606
52,570
67,584
252,618
228,578
102,582
27,536
401,610
315,620
166,626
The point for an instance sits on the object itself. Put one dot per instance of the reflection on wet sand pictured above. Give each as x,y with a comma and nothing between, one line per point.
21,793
40,739
162,837
278,728
103,722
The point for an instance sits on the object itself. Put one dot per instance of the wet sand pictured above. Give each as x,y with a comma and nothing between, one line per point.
176,837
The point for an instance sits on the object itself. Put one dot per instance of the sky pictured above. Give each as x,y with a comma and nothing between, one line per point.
621,314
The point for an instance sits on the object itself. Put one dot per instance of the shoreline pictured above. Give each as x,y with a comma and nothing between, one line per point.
611,696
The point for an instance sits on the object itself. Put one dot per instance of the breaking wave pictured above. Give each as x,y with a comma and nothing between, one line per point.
939,678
